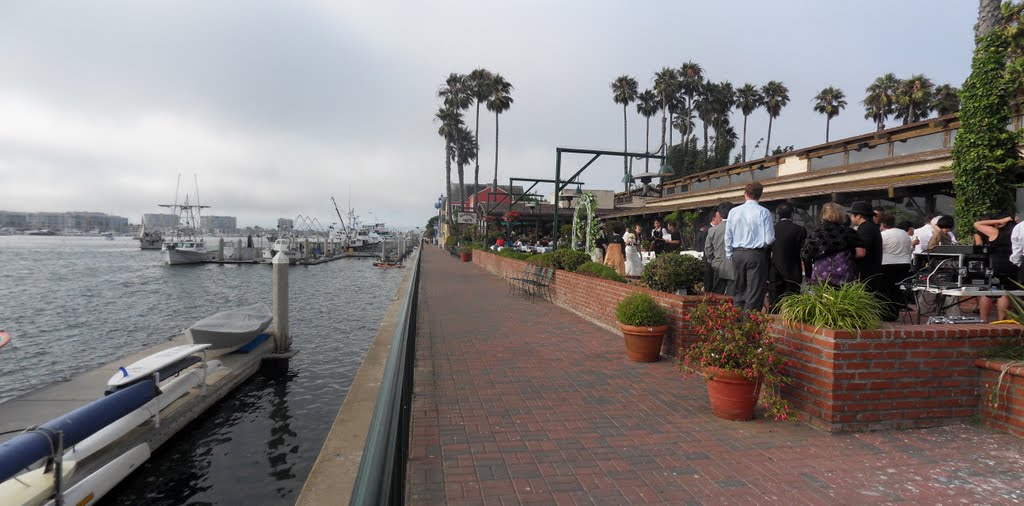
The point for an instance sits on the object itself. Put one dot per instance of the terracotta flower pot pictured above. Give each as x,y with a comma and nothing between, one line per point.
733,397
643,344
466,257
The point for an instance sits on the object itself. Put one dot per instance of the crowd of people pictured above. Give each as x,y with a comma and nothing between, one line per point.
758,259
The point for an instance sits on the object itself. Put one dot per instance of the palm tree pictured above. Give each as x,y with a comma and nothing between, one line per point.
683,121
647,106
829,102
666,85
624,91
455,97
881,99
500,101
723,99
705,108
691,77
776,96
480,91
464,151
989,17
914,98
945,100
748,99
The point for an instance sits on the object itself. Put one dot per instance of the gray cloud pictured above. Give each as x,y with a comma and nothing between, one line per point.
279,105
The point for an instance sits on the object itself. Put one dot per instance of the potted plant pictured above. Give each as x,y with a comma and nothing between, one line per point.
736,355
672,273
465,253
643,323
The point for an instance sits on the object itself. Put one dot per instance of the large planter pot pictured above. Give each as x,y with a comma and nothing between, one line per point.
643,344
466,257
733,397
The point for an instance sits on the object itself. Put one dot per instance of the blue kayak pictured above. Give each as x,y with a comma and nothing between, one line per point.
26,448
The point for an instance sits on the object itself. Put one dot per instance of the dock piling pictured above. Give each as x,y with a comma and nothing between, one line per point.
220,250
282,336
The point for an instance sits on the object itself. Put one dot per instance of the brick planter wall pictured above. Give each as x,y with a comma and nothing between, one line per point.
595,299
898,377
1008,415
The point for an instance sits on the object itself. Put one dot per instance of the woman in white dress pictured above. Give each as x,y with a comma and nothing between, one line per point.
634,266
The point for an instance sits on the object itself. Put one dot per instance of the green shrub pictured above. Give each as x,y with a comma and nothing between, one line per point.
543,259
465,248
640,310
848,307
599,271
518,255
669,272
569,259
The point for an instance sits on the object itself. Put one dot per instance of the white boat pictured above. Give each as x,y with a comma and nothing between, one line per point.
186,246
356,237
229,330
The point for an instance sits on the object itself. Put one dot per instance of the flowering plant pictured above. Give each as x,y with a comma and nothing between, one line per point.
737,340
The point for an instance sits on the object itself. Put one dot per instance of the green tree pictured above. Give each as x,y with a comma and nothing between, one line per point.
829,102
624,91
914,98
691,77
464,149
455,98
500,101
647,106
880,102
666,86
748,99
776,96
723,98
985,159
945,100
479,82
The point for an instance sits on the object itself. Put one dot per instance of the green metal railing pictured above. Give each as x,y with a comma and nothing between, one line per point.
381,477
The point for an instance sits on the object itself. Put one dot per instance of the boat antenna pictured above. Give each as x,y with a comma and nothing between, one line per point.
199,208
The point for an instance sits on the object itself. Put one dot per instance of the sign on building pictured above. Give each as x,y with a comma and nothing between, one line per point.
468,218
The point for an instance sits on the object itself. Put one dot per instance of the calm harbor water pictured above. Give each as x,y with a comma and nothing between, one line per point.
72,303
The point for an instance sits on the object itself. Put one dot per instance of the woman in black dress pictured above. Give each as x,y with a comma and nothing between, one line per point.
997,232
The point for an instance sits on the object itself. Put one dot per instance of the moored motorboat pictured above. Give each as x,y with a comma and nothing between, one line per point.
229,330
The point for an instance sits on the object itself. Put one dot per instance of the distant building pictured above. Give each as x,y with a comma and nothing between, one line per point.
219,224
157,220
283,223
78,220
11,219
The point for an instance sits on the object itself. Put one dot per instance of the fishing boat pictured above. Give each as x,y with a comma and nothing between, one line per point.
356,237
186,246
230,330
149,239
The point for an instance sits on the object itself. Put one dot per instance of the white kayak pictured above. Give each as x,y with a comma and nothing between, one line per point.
97,484
33,487
151,364
229,330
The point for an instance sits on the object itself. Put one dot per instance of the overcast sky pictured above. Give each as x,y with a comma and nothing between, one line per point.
275,106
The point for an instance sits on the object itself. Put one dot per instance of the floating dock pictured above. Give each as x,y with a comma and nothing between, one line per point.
52,401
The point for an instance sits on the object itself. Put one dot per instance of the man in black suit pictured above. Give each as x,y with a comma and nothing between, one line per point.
869,264
787,269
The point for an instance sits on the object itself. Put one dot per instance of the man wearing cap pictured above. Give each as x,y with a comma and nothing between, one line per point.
749,233
869,264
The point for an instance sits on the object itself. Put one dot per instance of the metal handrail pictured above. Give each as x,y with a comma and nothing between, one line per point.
381,476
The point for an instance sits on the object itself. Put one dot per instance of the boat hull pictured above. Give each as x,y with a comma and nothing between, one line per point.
181,256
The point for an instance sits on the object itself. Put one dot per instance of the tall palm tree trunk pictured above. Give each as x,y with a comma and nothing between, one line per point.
705,125
828,121
625,149
745,137
448,175
989,14
768,143
671,119
664,112
647,146
496,156
476,129
462,187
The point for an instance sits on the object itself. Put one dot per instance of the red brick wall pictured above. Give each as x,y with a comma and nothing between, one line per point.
899,376
595,299
1008,413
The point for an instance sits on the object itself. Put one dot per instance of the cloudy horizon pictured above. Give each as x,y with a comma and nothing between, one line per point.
277,106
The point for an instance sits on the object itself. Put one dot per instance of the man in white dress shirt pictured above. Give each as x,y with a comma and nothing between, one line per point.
749,233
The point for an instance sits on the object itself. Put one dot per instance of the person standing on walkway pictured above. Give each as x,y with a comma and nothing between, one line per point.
714,253
657,237
897,255
787,269
672,238
615,250
749,233
998,233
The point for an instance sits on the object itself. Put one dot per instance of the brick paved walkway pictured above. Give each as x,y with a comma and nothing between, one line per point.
520,403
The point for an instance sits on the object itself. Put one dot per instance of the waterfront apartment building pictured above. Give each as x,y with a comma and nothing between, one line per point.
219,224
83,221
160,220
